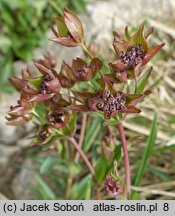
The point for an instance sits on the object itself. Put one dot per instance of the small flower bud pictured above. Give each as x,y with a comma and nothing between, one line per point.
112,186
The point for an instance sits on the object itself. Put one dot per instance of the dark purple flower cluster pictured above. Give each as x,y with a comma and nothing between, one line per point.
112,103
133,56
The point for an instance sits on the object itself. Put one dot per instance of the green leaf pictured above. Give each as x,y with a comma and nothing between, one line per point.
143,80
93,129
51,141
40,111
101,168
72,123
47,165
127,35
74,168
155,83
44,189
118,153
62,29
84,188
80,6
81,190
146,154
166,148
36,82
161,174
138,38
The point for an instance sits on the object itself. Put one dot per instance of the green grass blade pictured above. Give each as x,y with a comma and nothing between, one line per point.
44,189
150,143
143,80
47,165
92,131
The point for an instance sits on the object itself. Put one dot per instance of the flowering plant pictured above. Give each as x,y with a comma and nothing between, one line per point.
53,99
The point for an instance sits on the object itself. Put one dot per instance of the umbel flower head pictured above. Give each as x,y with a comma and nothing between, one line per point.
109,101
37,89
79,71
45,86
133,51
69,29
57,118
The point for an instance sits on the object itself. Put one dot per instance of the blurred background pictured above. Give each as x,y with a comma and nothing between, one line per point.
29,173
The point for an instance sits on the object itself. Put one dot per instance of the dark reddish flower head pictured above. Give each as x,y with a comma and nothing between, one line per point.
112,186
58,118
45,86
133,52
22,85
79,71
133,56
109,101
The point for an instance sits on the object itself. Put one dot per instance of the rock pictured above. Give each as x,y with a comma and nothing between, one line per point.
23,181
8,133
6,152
3,197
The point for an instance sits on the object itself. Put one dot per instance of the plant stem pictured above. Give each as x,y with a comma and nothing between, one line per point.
83,156
83,128
69,183
84,48
126,158
76,158
136,83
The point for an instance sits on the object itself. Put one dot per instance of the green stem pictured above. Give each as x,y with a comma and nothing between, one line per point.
136,83
84,48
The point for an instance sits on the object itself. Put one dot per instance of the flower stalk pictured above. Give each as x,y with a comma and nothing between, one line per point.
82,133
126,158
83,156
84,48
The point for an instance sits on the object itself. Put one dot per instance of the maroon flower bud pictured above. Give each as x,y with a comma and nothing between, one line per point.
84,72
116,75
108,144
58,118
69,29
22,84
21,113
79,71
112,186
65,81
43,134
46,86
